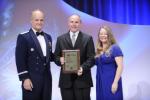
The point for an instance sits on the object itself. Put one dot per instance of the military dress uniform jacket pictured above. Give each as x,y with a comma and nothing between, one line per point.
29,57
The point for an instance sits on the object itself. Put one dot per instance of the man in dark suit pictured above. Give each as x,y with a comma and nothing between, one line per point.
33,56
76,86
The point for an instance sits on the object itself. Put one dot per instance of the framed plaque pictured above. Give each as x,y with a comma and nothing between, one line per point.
72,61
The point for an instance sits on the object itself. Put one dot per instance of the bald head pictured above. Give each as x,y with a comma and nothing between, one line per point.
37,19
36,12
75,16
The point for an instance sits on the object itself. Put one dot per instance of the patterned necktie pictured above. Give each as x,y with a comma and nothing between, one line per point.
73,39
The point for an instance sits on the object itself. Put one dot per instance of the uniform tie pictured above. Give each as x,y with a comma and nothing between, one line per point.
39,33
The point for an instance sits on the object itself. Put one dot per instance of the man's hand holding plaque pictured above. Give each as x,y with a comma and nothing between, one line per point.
62,61
80,71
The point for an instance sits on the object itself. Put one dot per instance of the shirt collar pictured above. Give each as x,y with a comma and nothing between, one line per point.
35,31
76,33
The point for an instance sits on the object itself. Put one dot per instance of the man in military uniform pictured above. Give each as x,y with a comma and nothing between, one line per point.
33,56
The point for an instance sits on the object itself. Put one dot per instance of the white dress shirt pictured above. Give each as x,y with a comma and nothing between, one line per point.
42,42
76,34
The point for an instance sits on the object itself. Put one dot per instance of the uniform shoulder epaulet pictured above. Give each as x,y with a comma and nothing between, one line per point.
24,32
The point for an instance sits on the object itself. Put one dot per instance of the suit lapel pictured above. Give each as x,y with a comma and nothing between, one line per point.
48,44
36,43
79,40
68,39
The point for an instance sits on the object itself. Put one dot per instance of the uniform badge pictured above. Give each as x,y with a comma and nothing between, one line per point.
32,49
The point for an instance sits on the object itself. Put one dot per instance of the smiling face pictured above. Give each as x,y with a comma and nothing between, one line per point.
74,23
103,36
37,20
105,39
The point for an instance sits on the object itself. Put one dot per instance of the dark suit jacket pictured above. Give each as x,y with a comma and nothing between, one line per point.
85,44
29,57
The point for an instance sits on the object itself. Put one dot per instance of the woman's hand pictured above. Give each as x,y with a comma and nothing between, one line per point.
114,87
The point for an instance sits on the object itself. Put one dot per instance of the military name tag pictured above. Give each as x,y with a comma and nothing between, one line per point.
72,61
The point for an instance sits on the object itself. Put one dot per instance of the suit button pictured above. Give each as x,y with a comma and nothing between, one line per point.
37,57
44,64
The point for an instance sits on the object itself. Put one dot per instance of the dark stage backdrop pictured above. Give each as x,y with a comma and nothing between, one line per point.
15,19
135,12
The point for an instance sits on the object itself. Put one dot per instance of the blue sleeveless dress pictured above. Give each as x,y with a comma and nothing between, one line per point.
106,70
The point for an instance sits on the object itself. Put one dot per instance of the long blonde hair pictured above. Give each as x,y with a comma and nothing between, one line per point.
111,40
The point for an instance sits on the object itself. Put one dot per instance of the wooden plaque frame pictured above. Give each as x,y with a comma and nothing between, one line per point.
72,61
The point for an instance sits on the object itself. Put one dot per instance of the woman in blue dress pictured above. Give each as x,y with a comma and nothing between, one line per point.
109,61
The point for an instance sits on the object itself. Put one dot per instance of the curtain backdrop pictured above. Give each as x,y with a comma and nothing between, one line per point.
135,12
